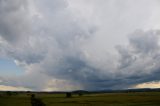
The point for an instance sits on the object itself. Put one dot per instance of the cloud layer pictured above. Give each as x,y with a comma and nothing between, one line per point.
66,45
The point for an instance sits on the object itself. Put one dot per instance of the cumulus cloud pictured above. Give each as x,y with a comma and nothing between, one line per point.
70,45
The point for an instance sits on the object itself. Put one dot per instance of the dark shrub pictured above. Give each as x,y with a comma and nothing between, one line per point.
68,94
80,93
33,96
36,102
8,93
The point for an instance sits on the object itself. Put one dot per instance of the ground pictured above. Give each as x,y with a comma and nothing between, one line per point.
105,99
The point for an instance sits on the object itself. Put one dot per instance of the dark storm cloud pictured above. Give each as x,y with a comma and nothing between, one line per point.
56,45
136,64
38,37
140,58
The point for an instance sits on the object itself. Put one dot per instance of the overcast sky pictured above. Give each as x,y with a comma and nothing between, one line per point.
79,44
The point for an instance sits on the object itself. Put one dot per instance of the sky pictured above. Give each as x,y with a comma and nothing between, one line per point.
8,67
63,45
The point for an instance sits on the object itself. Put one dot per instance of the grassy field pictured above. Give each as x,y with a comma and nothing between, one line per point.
107,99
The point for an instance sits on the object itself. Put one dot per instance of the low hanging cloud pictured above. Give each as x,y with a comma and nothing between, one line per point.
60,48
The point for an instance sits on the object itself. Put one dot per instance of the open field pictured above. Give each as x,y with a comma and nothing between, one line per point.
105,99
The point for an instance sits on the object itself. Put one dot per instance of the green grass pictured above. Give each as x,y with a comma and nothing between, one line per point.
15,101
108,99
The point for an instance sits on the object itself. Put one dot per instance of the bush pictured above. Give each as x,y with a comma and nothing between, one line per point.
68,94
36,102
80,93
8,93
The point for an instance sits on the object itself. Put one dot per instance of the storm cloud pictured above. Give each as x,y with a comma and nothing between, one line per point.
68,45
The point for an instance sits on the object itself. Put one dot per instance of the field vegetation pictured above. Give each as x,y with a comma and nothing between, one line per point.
93,99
